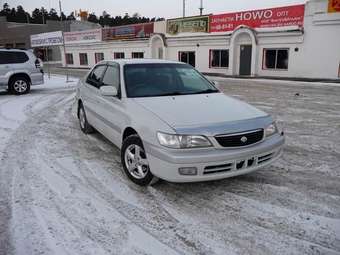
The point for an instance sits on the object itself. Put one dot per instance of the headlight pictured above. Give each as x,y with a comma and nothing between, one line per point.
271,130
182,141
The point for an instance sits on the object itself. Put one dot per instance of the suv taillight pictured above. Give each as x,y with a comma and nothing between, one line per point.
37,63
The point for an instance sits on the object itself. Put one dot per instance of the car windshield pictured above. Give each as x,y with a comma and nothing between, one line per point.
155,80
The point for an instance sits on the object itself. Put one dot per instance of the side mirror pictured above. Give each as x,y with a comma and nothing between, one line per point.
108,91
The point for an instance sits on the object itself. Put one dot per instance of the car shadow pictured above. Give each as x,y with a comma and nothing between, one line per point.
4,93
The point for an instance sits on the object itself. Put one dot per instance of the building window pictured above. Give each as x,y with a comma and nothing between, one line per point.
188,57
219,58
69,58
276,59
119,55
83,59
20,45
98,57
137,54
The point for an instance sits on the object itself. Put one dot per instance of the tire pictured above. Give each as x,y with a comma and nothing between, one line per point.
83,123
135,164
19,85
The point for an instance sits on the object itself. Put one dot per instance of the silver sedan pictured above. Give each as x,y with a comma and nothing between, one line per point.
171,123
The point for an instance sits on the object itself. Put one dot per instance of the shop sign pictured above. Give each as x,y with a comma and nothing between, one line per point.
47,39
144,30
275,17
333,5
198,24
87,36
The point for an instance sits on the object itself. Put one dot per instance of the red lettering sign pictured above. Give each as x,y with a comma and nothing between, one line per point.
334,6
276,17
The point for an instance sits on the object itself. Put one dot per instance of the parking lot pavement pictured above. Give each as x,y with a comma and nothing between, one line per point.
63,192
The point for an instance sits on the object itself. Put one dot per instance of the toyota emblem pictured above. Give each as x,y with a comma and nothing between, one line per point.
244,139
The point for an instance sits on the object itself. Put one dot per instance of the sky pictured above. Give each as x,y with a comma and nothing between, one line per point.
151,8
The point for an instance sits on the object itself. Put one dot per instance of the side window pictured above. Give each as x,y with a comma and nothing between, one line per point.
3,58
95,76
12,57
21,57
112,77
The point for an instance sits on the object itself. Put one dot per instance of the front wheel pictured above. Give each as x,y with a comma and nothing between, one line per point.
135,162
83,123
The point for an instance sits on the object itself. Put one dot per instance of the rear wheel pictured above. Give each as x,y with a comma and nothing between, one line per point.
83,123
135,162
19,85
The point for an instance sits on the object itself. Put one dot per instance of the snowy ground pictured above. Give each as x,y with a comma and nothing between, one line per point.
62,192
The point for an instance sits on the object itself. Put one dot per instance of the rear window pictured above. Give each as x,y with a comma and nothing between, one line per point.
12,57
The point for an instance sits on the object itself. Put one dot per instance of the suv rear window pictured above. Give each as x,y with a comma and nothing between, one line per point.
12,57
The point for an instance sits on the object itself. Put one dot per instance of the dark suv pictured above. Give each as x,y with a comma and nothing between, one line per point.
19,69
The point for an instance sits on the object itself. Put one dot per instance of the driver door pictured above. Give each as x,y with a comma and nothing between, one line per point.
91,95
112,110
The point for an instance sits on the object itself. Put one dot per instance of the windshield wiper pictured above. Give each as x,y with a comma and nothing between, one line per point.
207,91
176,93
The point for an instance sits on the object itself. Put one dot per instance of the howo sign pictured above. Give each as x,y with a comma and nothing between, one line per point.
275,17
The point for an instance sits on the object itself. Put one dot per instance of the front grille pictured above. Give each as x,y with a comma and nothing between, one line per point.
238,165
218,168
240,139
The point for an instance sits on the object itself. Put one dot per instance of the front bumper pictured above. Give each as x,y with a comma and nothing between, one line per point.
212,163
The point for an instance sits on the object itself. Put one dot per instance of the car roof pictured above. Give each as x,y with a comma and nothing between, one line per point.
142,61
14,50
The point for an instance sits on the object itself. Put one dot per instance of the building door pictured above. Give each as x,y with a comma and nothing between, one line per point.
245,59
188,57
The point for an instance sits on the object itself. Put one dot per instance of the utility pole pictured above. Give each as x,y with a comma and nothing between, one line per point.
64,47
201,8
27,18
183,8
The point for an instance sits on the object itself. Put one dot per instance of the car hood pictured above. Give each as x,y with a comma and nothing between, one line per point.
200,110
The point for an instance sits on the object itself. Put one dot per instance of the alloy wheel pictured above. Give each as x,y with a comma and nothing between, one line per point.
20,86
136,162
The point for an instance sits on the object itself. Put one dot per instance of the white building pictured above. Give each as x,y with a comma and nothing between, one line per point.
298,42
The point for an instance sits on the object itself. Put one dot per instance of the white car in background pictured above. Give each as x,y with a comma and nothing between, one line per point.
171,123
19,70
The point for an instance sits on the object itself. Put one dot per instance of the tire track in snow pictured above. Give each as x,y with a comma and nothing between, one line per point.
125,209
7,174
157,215
257,216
